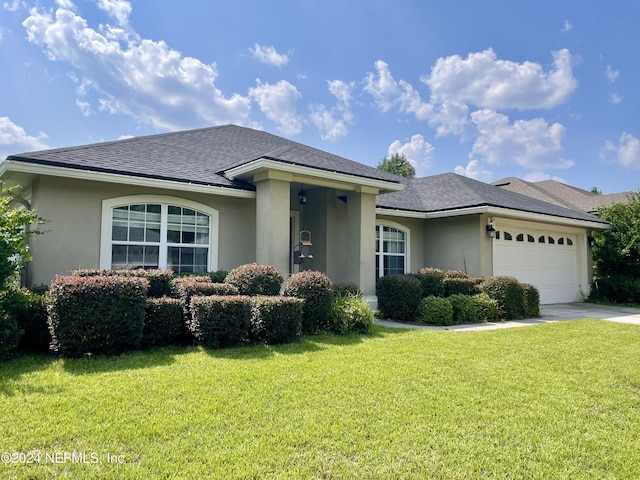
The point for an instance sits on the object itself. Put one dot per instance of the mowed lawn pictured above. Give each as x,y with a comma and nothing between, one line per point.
551,401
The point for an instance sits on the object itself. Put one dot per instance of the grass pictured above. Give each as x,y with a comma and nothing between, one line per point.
558,400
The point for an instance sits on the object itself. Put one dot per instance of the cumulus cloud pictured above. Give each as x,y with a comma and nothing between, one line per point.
14,139
541,176
625,153
612,75
485,81
278,103
333,122
13,5
474,170
566,26
137,77
532,144
269,56
382,86
418,151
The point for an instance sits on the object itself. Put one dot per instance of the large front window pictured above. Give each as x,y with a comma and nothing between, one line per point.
159,235
391,251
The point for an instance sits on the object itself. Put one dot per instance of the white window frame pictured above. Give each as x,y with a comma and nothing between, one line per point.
407,245
164,200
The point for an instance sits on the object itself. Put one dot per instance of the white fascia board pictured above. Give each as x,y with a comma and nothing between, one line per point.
266,164
38,169
400,213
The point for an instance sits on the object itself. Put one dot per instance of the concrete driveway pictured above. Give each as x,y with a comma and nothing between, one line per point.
548,313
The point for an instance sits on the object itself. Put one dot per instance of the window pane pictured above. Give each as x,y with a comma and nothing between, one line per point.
152,232
507,236
173,257
136,232
154,209
135,256
118,255
200,256
119,231
530,239
202,235
520,237
121,213
561,241
541,239
569,242
551,240
173,234
186,256
188,216
188,234
203,219
151,256
393,265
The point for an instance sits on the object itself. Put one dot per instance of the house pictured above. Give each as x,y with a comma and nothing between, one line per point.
215,198
561,194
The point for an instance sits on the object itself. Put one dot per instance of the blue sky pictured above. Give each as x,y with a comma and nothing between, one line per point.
538,90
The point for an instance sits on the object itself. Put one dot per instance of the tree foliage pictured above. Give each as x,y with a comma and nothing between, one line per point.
397,164
15,223
617,251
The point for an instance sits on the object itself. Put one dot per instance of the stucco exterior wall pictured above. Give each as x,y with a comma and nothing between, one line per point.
72,209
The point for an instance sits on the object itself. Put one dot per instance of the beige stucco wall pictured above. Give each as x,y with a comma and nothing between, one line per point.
72,209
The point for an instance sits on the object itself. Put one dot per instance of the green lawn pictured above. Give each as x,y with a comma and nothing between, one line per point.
558,400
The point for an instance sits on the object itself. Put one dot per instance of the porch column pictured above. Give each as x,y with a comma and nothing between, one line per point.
361,231
272,220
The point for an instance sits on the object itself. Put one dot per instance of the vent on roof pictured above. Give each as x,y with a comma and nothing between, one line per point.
502,184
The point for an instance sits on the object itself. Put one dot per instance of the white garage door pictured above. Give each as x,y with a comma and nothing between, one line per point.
547,260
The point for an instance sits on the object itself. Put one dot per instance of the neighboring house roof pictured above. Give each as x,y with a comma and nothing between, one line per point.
561,194
451,192
197,156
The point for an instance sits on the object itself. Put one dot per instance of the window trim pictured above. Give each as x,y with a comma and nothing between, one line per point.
107,219
407,247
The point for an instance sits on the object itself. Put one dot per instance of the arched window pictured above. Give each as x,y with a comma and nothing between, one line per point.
392,250
158,232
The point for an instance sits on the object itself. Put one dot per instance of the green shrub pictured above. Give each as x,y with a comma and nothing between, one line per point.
616,289
220,321
316,290
509,294
275,319
10,334
99,314
255,279
432,281
160,281
465,309
488,309
351,314
531,300
214,277
346,289
30,311
188,287
436,311
455,274
399,297
192,278
163,323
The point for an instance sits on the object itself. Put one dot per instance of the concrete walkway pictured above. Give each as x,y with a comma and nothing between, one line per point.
548,314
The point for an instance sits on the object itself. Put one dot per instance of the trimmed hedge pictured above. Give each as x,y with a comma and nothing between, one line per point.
220,321
96,314
275,319
432,281
351,314
436,311
187,288
163,323
488,309
255,279
316,290
399,297
214,277
10,334
465,309
531,300
160,281
509,294
30,311
461,285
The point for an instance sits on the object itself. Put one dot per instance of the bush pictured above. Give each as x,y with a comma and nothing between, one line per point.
465,309
275,319
163,323
187,288
220,321
488,309
10,334
432,281
531,300
436,311
617,289
461,286
399,297
351,314
509,294
346,289
30,311
213,277
316,290
254,279
160,281
100,314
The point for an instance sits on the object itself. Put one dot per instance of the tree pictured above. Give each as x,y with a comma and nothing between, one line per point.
397,164
617,251
15,223
596,190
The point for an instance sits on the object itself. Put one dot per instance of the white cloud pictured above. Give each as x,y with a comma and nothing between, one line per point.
612,75
382,87
615,98
475,171
140,78
485,81
118,9
68,4
566,26
269,55
278,103
14,5
541,176
626,153
419,152
529,143
14,139
333,122
85,107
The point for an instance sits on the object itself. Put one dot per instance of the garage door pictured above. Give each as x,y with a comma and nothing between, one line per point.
547,260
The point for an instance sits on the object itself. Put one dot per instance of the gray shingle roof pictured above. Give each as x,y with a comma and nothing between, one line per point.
450,191
196,156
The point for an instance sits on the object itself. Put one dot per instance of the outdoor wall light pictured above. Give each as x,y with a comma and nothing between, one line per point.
491,232
592,241
302,196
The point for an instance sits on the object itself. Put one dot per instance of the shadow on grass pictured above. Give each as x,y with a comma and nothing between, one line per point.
21,365
133,360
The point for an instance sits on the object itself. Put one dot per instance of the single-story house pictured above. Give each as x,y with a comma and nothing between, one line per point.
215,198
